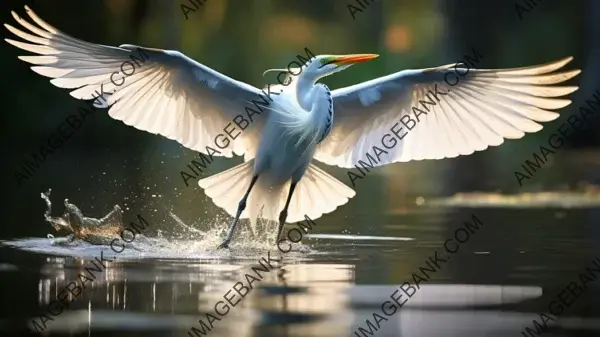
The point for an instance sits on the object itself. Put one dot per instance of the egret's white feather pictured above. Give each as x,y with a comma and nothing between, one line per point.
317,193
486,107
296,123
168,94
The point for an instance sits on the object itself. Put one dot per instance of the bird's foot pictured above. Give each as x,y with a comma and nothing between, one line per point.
224,245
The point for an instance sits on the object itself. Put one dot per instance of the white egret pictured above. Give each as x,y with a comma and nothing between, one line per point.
174,96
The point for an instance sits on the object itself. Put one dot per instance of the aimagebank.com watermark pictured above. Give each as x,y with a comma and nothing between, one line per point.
407,289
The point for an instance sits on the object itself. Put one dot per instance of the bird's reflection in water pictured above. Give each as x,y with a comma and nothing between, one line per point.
175,294
302,299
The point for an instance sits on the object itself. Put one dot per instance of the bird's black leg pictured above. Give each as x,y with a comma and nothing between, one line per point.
283,214
241,207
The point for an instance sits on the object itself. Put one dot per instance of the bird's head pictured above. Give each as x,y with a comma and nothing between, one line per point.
325,65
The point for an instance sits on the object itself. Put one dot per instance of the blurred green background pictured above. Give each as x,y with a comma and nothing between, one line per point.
107,162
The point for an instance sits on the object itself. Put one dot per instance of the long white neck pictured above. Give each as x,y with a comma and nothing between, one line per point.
307,91
312,118
316,100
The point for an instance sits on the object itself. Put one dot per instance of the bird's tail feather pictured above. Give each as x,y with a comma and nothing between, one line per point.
226,189
316,194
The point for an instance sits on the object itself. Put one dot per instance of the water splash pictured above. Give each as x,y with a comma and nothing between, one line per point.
183,241
191,240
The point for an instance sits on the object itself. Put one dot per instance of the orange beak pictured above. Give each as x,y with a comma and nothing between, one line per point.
355,58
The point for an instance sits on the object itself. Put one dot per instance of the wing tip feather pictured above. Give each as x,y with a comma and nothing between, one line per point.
14,43
16,16
563,62
570,89
25,59
566,103
568,59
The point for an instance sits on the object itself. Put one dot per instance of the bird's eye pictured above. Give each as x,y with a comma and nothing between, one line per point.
326,62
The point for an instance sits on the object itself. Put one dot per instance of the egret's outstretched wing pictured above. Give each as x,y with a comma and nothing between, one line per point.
164,92
480,110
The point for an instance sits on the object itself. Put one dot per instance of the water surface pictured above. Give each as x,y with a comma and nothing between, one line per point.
500,280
